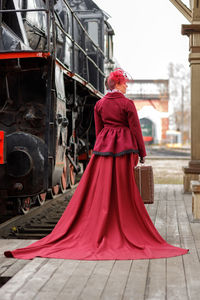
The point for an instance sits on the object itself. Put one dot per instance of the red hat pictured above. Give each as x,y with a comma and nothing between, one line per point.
118,76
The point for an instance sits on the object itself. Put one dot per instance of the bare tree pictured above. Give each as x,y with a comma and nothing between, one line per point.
179,105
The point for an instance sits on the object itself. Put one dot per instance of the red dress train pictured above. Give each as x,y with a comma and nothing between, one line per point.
105,219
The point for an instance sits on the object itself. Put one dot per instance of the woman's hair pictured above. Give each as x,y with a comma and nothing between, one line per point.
118,76
106,83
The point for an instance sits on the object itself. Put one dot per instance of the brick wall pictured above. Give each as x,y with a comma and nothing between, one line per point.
165,127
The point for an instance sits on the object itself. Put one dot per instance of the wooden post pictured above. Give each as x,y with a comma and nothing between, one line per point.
193,32
195,187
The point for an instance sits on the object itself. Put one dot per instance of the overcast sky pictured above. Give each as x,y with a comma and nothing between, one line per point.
147,36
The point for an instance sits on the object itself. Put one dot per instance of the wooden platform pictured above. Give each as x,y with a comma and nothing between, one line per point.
172,278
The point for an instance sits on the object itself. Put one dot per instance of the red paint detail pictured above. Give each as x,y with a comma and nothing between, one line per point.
59,163
74,133
83,156
70,74
2,134
90,152
147,138
24,55
63,180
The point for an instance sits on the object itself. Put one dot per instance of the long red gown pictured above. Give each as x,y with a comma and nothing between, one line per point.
106,218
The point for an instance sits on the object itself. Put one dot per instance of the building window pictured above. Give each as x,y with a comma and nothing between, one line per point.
93,31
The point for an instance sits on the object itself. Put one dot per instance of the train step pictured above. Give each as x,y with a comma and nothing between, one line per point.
28,236
33,230
42,226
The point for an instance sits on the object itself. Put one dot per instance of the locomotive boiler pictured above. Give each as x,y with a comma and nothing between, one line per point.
53,55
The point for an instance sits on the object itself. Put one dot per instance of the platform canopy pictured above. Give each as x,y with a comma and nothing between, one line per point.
191,13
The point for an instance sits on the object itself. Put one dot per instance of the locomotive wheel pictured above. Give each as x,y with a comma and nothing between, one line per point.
55,189
41,198
24,205
68,173
50,194
63,182
72,176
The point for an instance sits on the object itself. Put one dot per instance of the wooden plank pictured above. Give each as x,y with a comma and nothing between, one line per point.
188,205
172,278
152,208
156,280
136,284
46,296
117,280
185,217
51,290
192,273
172,221
11,245
96,283
195,226
15,267
77,281
187,13
191,261
7,265
36,282
184,223
20,279
135,287
194,240
176,281
161,216
156,272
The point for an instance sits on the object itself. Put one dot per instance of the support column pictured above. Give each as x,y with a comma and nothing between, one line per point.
193,170
195,187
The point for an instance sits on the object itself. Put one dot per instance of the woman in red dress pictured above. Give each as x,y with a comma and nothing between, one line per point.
106,217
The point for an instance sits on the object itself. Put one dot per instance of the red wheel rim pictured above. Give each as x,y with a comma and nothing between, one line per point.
42,198
64,181
26,205
72,175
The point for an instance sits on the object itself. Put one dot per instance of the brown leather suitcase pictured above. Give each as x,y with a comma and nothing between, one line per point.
145,183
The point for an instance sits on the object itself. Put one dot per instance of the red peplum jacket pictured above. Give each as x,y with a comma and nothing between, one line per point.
117,127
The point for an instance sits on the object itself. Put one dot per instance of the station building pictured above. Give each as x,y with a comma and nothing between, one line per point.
151,98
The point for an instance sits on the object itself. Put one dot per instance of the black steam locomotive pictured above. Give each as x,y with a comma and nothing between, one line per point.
53,55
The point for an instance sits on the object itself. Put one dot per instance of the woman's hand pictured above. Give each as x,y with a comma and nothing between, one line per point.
142,160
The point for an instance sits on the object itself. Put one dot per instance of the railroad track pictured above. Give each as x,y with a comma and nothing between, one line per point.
39,222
